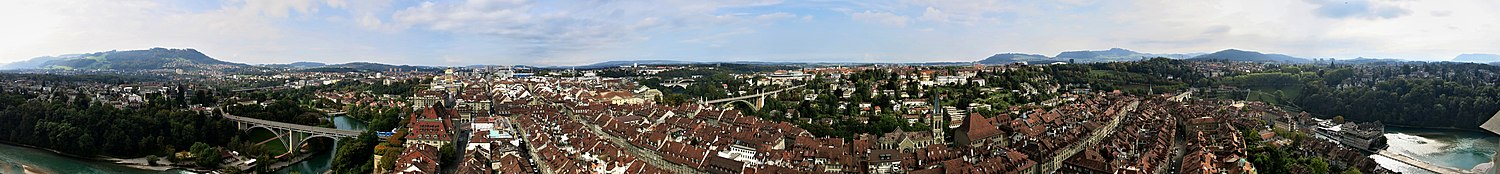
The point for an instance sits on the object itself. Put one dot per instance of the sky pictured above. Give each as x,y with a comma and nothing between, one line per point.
561,32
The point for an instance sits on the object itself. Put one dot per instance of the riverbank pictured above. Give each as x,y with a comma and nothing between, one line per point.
33,170
1452,148
1438,128
136,163
60,153
161,165
14,158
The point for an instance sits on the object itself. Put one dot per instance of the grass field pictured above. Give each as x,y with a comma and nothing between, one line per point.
275,146
1269,94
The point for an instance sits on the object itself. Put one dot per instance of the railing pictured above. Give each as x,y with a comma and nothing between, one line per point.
296,127
751,96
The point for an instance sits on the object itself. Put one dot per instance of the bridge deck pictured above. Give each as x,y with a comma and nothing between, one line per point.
751,96
296,127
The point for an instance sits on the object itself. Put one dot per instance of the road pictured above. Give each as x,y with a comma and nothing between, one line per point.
649,156
297,127
542,165
1090,142
751,96
1179,149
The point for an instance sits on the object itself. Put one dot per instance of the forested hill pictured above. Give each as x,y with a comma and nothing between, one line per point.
149,59
1250,56
1452,95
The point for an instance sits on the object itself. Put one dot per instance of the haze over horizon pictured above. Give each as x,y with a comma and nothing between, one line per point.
577,33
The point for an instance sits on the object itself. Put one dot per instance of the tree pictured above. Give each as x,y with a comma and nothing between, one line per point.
1338,119
1352,171
388,159
354,156
1317,165
205,155
447,153
151,160
84,128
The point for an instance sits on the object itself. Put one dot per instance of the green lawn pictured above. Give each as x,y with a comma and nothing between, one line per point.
1268,94
274,146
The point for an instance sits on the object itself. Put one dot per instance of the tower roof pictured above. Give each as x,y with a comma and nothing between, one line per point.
1493,125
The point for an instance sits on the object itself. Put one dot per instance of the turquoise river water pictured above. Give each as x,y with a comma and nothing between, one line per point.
14,158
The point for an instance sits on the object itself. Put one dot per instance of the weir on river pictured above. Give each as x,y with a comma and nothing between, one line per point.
1419,163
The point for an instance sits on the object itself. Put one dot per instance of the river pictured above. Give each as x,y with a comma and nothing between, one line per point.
322,161
12,158
1452,148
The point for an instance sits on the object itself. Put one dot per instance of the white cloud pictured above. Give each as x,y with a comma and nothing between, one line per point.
243,31
580,32
884,18
718,40
968,12
775,16
280,8
1366,9
89,26
541,29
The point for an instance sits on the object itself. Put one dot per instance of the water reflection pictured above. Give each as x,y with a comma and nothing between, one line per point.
12,158
322,161
1452,148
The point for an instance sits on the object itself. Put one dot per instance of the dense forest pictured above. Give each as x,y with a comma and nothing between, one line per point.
78,126
1453,95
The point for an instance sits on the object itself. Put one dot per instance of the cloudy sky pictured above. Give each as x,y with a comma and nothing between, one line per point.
556,32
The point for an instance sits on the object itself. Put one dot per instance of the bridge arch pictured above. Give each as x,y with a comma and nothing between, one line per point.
291,136
309,137
730,104
274,132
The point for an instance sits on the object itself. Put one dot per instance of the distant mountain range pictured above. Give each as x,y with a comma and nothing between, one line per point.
1478,58
368,66
154,58
307,64
33,63
1250,56
1005,58
190,59
618,63
1110,55
349,67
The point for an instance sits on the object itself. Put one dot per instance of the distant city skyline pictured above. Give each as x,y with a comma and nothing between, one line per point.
505,32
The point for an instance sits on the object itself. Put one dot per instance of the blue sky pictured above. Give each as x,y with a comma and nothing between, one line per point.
531,32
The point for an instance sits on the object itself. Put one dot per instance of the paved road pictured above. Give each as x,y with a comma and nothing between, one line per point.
649,156
1089,142
1179,149
541,165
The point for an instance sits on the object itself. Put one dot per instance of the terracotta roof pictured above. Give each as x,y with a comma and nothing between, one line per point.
418,158
978,127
